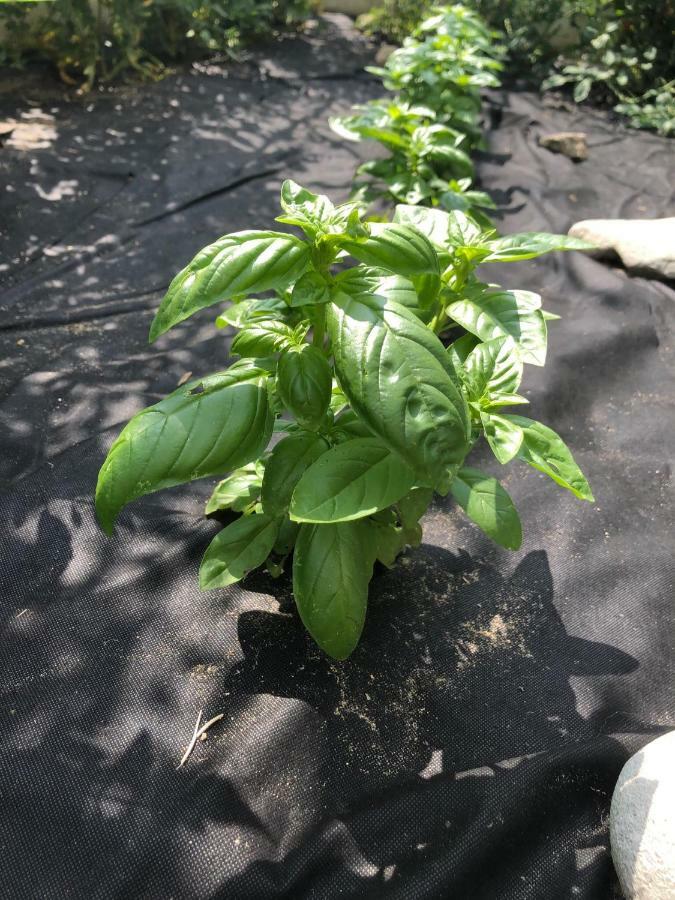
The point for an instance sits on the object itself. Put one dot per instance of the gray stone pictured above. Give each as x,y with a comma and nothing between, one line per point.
644,246
642,822
383,53
569,143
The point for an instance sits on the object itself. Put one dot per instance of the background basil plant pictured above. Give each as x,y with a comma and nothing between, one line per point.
359,392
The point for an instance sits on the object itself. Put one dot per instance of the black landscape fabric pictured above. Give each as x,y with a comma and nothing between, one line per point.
470,745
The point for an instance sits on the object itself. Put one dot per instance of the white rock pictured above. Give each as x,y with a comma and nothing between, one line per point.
642,822
646,246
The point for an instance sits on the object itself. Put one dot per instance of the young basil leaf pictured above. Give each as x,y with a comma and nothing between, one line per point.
240,314
493,367
235,265
332,565
491,314
285,466
545,450
516,247
309,211
394,372
503,436
304,383
235,551
350,481
396,248
488,505
262,337
311,288
496,401
206,427
459,350
238,490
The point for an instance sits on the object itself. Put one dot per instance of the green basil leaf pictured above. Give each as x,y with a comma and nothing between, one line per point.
545,450
304,383
285,466
395,373
238,490
389,541
309,211
206,427
371,280
515,247
397,248
488,505
288,535
412,507
239,548
350,481
332,565
349,424
311,288
235,265
493,314
493,367
434,223
504,437
262,337
458,351
496,401
240,314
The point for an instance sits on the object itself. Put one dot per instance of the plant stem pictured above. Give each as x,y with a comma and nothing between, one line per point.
319,329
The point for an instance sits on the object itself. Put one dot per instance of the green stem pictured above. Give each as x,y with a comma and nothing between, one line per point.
319,329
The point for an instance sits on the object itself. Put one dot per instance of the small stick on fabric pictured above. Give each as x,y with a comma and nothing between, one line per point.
191,745
199,733
205,728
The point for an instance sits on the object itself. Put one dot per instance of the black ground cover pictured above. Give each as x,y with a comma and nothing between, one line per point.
470,746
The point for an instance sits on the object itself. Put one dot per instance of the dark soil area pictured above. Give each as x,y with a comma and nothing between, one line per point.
470,746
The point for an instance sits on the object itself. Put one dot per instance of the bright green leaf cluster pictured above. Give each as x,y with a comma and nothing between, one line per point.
363,383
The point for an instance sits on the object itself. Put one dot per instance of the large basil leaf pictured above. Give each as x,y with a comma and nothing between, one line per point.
492,314
493,367
304,382
285,466
332,565
488,505
371,280
503,436
545,450
350,481
239,548
235,265
515,247
395,373
238,490
206,427
434,223
397,248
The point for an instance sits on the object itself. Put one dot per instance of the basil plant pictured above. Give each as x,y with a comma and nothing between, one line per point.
364,378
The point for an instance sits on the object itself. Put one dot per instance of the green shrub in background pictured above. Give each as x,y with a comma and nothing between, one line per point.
89,40
432,124
618,52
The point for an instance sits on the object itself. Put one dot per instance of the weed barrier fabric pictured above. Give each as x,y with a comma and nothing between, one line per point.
470,745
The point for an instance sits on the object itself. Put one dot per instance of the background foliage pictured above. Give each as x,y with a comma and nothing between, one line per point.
98,39
618,52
